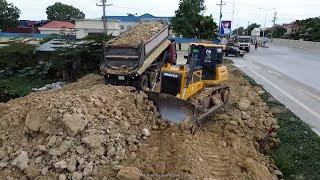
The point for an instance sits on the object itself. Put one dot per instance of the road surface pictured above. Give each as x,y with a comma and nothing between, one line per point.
291,75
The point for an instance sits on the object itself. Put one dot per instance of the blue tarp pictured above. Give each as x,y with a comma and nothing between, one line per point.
15,35
192,40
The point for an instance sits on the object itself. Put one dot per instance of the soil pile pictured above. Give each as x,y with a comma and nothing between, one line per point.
142,32
68,133
88,130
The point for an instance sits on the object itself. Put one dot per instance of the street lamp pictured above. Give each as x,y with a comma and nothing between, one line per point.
265,19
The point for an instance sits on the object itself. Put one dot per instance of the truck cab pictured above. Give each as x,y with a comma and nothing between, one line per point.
244,43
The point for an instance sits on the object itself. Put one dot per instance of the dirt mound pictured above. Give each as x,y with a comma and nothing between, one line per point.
142,32
90,130
71,131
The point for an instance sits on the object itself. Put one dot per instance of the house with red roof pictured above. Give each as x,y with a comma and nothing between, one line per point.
58,27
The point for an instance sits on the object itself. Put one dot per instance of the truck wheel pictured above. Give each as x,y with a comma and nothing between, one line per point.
152,79
142,83
108,81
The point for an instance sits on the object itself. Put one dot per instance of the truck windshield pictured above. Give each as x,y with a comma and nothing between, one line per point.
244,40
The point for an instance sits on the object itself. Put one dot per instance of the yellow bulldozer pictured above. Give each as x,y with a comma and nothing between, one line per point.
193,90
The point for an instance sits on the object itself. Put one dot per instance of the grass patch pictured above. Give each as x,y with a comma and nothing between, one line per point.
18,87
298,154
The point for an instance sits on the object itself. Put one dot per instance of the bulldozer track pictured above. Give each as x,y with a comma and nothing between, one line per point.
202,99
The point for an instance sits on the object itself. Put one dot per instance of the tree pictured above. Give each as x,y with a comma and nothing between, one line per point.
279,31
63,12
9,15
239,31
251,27
190,22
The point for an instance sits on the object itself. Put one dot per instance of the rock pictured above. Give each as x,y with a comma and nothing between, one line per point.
88,169
160,167
74,123
3,165
129,173
22,161
244,104
52,141
62,177
80,149
72,164
32,171
222,143
145,132
133,148
278,173
201,160
42,148
234,123
33,121
133,155
60,165
93,141
244,116
44,171
77,176
111,151
38,160
139,100
100,151
258,170
125,125
63,148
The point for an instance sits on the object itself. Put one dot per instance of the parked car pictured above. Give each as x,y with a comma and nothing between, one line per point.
232,50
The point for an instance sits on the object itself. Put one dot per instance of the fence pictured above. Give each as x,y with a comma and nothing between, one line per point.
297,43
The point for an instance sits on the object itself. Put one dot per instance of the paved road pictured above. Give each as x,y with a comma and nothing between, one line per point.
292,76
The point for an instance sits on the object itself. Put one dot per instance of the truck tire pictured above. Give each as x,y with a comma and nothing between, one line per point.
108,80
142,83
152,79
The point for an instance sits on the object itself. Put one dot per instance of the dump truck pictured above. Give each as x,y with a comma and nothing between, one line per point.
244,43
137,64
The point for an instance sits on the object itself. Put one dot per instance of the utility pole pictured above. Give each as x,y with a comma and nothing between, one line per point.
274,24
104,18
221,4
248,28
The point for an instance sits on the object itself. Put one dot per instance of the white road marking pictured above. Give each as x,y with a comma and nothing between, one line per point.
314,113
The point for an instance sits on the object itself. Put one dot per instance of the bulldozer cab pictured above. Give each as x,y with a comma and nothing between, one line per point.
205,56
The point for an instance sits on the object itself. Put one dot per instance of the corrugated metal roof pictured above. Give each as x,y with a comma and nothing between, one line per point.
58,25
137,18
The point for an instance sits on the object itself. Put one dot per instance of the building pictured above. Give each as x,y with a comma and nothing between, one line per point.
293,27
85,27
58,27
127,22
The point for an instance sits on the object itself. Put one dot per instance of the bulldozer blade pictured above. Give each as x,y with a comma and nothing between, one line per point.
172,108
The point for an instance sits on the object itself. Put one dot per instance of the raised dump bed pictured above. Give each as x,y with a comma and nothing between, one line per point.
135,57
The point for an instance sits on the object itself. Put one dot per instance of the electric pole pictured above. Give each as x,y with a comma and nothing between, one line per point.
274,24
104,18
221,4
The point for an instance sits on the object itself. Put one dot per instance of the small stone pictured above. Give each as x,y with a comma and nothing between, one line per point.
145,132
33,121
155,127
125,125
93,141
88,169
62,177
74,123
133,156
234,123
222,143
22,161
201,160
77,176
244,104
3,165
44,171
129,173
100,151
80,149
63,148
133,148
32,171
52,141
60,165
42,148
244,116
38,160
111,151
72,165
278,173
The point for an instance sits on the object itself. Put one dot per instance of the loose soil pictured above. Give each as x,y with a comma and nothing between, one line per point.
89,130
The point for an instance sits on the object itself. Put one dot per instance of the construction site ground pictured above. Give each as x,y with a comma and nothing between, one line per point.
121,136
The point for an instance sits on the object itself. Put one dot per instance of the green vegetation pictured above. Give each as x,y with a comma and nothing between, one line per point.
298,154
310,30
63,12
190,22
9,15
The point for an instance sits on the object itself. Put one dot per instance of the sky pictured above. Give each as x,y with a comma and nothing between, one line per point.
245,11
